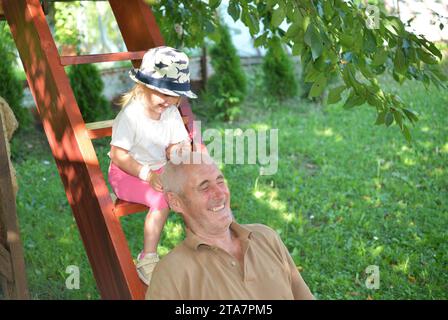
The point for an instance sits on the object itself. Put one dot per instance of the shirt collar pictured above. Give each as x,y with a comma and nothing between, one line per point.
193,241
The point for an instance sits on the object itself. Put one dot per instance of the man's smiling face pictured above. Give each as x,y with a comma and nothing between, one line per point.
206,198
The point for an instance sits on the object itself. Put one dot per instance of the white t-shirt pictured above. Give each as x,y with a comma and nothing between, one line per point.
146,139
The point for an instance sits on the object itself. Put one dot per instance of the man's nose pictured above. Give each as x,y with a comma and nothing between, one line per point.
217,193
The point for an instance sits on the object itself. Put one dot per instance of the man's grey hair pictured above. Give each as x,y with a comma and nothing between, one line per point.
173,177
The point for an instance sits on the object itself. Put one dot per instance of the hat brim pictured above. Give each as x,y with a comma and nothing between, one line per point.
188,94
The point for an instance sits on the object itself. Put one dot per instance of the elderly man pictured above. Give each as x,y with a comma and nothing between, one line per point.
220,259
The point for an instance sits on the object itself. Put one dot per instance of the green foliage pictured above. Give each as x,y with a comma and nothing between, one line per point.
184,23
279,77
11,88
66,27
226,88
88,86
332,35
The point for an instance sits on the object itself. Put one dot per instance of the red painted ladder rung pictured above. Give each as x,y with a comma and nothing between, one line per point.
104,57
99,129
124,208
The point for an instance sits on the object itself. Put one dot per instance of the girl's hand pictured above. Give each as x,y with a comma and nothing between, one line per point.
177,149
184,147
154,180
171,147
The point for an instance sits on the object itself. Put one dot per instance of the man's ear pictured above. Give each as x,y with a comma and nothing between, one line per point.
175,202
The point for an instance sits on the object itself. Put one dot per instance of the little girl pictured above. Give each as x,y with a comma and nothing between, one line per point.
144,133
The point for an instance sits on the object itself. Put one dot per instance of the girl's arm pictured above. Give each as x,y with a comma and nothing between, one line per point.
124,161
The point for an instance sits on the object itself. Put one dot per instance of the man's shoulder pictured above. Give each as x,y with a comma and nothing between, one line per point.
169,274
266,238
261,230
181,255
258,227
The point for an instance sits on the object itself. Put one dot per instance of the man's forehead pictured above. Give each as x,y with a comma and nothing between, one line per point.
199,172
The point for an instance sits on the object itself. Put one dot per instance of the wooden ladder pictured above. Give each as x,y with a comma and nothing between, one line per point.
70,139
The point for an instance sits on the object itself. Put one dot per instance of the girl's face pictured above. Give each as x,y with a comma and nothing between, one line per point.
157,102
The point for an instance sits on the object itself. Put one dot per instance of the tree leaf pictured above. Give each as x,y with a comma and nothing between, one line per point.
398,118
260,41
277,17
314,40
380,118
271,3
311,74
250,21
406,133
354,100
369,42
426,57
374,100
297,48
398,77
434,50
318,86
394,25
214,4
379,58
400,61
321,63
328,10
346,40
234,10
293,30
389,119
335,94
365,70
410,115
349,78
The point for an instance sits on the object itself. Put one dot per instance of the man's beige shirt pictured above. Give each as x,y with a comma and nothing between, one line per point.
196,270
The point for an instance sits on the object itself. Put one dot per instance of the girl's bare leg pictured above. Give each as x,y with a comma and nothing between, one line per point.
154,223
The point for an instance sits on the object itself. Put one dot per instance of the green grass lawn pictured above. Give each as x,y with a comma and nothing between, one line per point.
347,195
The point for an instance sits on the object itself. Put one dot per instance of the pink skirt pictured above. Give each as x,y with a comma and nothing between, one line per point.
129,188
